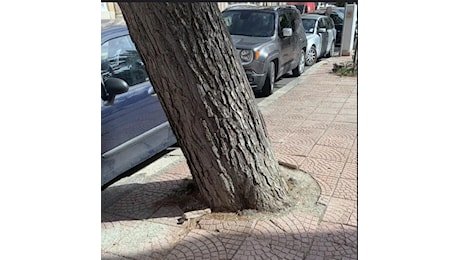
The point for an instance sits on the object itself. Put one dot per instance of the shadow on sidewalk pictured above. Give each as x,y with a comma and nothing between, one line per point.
159,199
278,238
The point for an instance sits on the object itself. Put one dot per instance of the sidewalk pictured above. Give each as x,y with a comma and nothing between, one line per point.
312,124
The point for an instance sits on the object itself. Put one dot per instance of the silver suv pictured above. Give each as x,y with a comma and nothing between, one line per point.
270,42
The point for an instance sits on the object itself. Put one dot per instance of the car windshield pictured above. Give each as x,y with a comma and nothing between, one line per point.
309,25
250,23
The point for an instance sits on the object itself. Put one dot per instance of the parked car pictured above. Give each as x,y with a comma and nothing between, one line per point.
270,42
134,126
321,37
338,15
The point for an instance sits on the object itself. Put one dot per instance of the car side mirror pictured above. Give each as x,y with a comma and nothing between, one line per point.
287,32
321,30
113,87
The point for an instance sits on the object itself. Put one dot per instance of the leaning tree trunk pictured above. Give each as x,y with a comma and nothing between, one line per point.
204,91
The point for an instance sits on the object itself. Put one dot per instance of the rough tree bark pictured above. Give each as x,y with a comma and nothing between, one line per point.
204,91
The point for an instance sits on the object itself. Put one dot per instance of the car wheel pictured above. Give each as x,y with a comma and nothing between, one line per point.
301,67
311,56
331,51
267,89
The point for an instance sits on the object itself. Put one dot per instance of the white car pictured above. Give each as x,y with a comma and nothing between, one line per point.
321,37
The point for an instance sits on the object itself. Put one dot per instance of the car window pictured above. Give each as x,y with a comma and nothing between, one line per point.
295,20
250,23
309,25
284,22
290,16
336,18
329,23
120,59
321,23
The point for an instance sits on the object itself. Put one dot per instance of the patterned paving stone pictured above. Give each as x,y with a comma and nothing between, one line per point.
295,116
301,139
336,141
290,161
326,183
355,145
167,215
346,189
326,118
327,104
340,211
257,249
327,110
287,123
353,106
346,118
109,217
338,94
243,227
311,103
352,100
348,111
346,131
350,171
298,150
113,193
353,157
322,167
168,182
329,153
353,218
303,109
112,233
337,99
198,244
276,114
232,234
346,88
284,237
139,239
344,126
139,204
305,132
334,241
312,124
282,128
324,200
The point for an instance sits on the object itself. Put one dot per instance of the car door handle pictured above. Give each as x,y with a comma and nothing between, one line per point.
151,91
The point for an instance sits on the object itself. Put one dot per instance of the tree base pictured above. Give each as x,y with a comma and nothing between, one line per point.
304,193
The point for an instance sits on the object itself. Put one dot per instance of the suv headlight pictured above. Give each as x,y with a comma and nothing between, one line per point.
246,56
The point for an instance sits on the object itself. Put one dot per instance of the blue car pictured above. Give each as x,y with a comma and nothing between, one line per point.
134,126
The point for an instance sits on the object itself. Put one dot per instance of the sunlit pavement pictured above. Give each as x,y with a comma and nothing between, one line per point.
312,125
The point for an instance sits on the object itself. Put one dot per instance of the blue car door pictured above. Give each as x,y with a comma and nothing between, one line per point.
134,126
132,114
